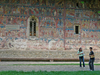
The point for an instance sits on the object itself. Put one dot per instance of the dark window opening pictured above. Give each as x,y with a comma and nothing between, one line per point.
77,4
32,28
77,29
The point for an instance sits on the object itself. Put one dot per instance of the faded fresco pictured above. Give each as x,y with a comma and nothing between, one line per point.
55,24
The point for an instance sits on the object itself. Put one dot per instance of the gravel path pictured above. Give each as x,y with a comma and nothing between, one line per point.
9,67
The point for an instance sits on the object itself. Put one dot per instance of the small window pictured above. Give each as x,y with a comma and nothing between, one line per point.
76,29
33,27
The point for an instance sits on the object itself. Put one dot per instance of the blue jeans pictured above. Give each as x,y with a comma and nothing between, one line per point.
82,59
91,63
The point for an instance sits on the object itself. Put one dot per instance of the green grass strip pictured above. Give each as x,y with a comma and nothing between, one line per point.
50,73
43,64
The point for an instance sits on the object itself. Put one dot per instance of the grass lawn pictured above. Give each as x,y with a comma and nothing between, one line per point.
50,73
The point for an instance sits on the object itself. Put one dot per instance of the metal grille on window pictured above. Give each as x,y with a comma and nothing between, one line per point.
33,27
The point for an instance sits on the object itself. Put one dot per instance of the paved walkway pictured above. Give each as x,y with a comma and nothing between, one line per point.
8,66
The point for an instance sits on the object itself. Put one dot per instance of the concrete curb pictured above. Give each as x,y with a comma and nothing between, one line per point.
2,63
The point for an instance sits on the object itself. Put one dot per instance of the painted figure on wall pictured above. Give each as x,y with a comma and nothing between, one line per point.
2,1
4,20
85,24
3,44
51,2
6,1
48,12
16,10
89,14
23,32
69,23
9,19
1,20
35,2
86,14
93,24
2,30
47,27
78,13
8,9
23,21
70,4
85,33
42,11
69,33
70,12
1,9
47,32
59,3
53,12
15,1
60,12
98,36
26,1
24,10
60,22
93,14
60,33
43,2
98,25
14,20
48,22
33,11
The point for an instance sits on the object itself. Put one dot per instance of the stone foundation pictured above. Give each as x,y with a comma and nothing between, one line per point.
45,54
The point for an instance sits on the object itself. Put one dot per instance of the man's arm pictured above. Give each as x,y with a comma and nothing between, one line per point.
91,55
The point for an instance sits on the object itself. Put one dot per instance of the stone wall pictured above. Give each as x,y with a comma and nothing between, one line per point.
65,54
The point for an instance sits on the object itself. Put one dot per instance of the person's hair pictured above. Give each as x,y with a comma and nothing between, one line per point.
80,49
90,47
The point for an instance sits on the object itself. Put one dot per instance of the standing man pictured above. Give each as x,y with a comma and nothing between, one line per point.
91,61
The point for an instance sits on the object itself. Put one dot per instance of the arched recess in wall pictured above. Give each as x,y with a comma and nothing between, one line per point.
32,27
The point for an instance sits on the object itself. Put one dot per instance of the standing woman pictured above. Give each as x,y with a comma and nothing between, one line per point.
81,56
91,61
